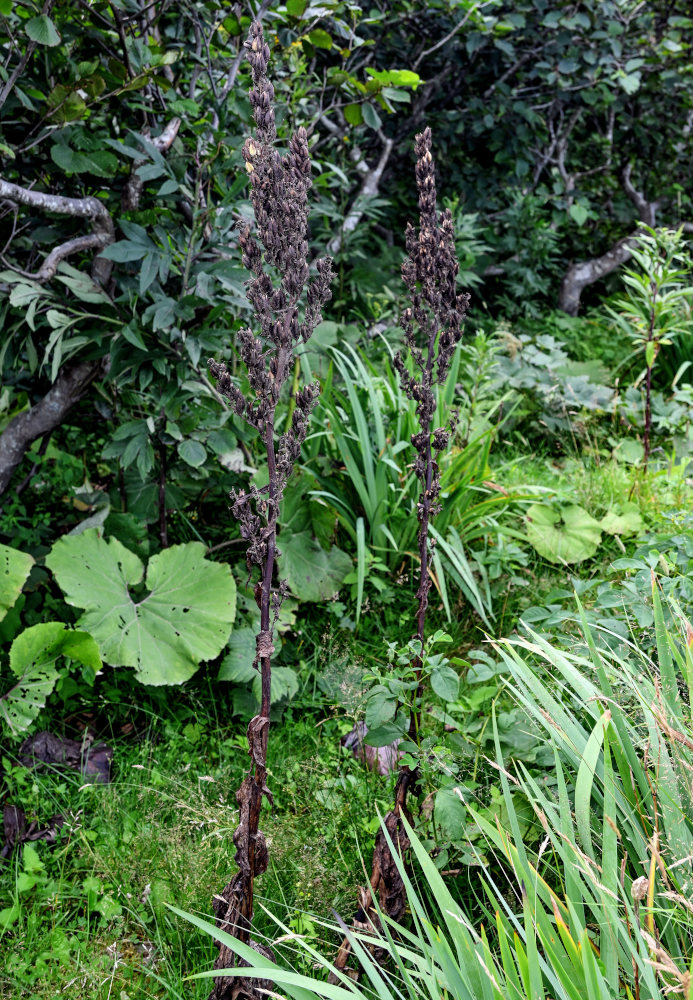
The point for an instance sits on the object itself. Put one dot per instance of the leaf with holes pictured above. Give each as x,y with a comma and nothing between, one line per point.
164,623
14,569
33,657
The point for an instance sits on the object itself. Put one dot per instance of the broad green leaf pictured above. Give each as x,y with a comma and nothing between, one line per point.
295,8
9,916
630,82
184,617
237,665
41,29
320,38
380,707
192,452
445,682
628,522
450,812
124,251
579,213
630,451
66,158
395,77
383,736
5,7
371,116
353,114
284,683
563,535
33,657
15,567
31,862
312,573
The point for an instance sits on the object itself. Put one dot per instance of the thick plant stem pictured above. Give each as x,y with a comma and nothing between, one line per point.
279,194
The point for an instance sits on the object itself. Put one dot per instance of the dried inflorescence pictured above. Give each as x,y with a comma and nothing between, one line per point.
278,249
433,328
433,320
276,253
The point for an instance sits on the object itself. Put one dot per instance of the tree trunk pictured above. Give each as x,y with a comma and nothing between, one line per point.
586,272
70,386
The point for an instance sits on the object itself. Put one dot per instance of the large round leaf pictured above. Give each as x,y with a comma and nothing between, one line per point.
185,617
14,569
563,534
33,657
624,521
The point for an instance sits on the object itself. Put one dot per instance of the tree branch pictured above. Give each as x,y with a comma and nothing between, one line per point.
586,272
21,65
81,208
132,192
369,188
70,386
647,210
450,34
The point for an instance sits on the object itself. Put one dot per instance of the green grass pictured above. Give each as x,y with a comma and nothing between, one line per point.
95,924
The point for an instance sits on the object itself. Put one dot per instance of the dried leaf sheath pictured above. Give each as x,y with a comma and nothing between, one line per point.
276,254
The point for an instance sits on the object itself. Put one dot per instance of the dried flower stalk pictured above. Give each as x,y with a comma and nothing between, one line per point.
434,318
432,328
277,256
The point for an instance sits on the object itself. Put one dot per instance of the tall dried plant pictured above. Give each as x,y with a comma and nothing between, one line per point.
432,330
277,256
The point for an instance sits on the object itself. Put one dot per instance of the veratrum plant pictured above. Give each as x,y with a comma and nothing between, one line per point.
279,194
434,320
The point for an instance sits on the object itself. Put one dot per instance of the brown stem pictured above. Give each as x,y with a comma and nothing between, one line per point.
265,610
21,65
425,517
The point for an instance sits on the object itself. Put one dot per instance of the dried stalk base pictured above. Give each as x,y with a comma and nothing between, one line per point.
233,908
386,884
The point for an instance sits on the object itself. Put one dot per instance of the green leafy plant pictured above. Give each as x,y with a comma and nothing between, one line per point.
395,698
569,534
651,313
163,622
601,908
36,651
369,421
